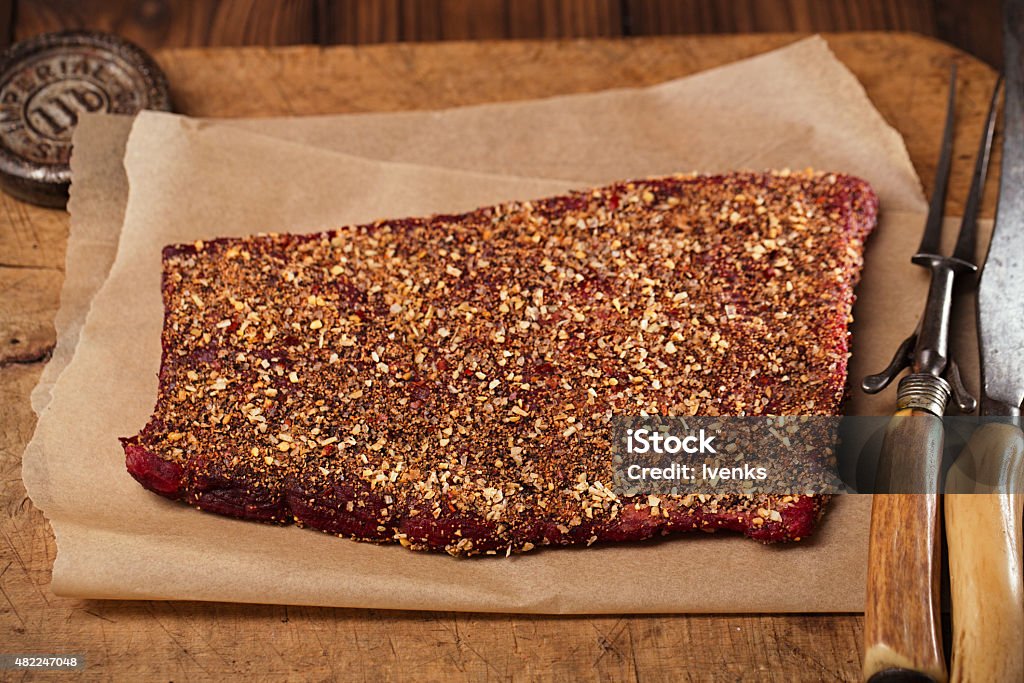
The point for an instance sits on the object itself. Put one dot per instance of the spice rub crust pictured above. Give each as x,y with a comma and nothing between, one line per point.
448,382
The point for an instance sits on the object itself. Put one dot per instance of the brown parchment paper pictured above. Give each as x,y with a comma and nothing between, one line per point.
794,107
97,211
191,179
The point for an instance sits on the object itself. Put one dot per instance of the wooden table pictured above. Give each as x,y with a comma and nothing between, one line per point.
905,76
972,25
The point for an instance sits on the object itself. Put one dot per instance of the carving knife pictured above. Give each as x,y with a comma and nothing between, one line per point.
983,505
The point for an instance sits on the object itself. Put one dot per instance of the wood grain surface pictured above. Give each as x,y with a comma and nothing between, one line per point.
905,76
972,25
903,614
986,544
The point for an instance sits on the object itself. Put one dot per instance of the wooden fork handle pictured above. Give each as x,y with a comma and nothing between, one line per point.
902,635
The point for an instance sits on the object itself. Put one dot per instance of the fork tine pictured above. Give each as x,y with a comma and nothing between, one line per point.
966,240
933,226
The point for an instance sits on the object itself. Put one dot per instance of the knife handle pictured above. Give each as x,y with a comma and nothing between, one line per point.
902,635
983,531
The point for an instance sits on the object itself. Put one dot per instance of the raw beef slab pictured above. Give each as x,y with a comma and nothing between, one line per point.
447,382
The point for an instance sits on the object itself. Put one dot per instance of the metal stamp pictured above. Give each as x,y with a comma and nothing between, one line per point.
46,83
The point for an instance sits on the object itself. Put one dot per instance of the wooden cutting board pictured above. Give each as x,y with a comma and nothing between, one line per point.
904,75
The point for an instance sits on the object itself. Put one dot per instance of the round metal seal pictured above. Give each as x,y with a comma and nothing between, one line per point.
46,82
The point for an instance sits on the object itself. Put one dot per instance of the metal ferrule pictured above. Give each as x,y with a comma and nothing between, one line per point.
923,391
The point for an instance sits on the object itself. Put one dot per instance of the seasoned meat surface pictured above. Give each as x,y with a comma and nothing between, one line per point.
447,382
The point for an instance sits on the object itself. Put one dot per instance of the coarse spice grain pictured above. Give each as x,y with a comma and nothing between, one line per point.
448,382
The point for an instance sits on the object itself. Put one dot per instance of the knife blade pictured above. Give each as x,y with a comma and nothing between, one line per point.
984,503
1000,312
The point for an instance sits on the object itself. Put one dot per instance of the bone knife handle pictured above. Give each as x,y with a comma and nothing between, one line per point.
902,636
983,533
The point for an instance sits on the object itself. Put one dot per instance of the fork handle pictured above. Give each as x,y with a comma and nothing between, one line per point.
902,638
